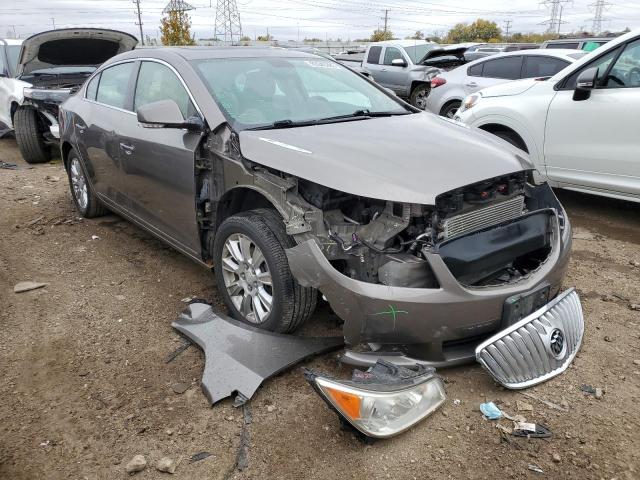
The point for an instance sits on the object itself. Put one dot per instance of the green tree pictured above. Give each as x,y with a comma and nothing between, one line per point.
479,31
175,28
381,35
416,36
245,39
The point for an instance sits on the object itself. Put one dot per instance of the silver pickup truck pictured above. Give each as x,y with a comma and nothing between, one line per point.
406,66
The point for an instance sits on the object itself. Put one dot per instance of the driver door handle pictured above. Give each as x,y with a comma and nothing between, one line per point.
128,149
472,84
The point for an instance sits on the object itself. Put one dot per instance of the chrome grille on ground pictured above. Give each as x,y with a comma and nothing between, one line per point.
483,217
537,347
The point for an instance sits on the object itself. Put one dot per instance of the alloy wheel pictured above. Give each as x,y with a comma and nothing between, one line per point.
247,278
79,184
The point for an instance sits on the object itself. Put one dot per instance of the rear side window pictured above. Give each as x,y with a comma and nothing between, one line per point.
475,70
3,66
113,88
507,67
374,55
538,66
157,82
92,88
569,45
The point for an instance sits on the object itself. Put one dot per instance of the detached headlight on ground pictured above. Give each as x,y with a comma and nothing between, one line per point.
383,401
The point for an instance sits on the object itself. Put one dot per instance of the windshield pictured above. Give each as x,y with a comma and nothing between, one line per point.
416,52
254,92
12,53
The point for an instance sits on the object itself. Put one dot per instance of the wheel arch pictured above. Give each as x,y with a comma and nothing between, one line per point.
65,149
241,199
448,102
496,127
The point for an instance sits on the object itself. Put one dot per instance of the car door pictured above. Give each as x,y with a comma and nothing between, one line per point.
492,72
372,63
394,76
96,122
594,143
159,163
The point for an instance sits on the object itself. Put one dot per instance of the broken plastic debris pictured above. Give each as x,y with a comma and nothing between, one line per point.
531,430
239,357
95,237
456,401
535,468
491,411
27,286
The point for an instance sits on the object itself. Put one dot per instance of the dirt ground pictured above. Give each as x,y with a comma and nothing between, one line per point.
84,385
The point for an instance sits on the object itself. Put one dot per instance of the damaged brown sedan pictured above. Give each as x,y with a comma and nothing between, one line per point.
291,175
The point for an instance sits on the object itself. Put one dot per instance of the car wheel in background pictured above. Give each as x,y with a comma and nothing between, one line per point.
84,199
419,96
29,129
450,109
253,275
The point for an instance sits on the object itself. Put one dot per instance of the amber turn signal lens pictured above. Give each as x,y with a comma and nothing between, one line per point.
347,402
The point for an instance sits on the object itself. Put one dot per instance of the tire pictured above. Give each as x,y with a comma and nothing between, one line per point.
291,304
29,136
419,94
83,196
513,138
450,109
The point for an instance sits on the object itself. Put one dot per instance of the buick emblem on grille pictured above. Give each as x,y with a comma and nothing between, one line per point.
556,343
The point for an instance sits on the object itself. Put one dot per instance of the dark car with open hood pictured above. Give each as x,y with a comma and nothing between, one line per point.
290,175
48,68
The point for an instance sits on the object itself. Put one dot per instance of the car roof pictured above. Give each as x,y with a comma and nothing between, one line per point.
403,43
552,52
203,53
583,39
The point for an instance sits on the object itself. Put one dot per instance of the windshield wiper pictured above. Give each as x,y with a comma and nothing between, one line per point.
286,123
357,115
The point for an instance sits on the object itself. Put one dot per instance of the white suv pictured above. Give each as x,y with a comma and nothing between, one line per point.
581,127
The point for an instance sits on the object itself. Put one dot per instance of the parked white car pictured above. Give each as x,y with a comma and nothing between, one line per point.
448,89
10,88
581,127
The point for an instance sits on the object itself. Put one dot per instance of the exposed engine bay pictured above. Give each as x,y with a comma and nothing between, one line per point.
386,242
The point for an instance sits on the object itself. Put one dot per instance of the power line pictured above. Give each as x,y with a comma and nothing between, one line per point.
227,25
139,22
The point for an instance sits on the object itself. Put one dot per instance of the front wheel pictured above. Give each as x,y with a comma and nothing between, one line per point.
419,96
450,109
253,275
29,128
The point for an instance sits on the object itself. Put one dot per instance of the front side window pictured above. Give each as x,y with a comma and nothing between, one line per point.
475,70
602,64
507,67
157,82
13,51
256,92
539,66
374,55
113,88
625,72
569,45
391,54
92,87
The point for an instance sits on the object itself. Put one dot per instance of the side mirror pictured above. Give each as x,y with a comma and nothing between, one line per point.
166,114
585,83
398,62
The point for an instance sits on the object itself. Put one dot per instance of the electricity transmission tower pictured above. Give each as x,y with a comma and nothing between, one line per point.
227,28
507,27
556,7
177,6
599,7
386,19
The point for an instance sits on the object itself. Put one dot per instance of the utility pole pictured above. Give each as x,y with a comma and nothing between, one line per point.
507,27
598,7
53,22
139,23
386,19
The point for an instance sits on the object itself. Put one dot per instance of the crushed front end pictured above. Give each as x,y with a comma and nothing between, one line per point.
428,284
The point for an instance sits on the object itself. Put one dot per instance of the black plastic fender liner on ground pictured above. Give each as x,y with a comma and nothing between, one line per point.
239,357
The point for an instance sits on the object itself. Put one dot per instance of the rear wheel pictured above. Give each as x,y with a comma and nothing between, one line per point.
419,96
84,199
253,275
29,129
450,109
